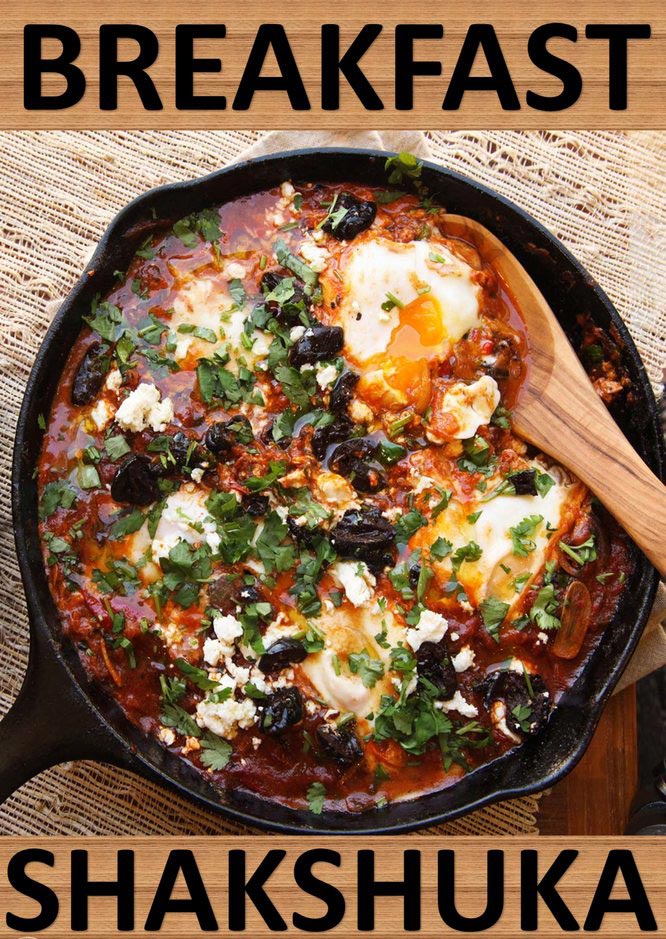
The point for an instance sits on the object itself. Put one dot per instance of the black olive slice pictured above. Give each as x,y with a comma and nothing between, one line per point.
363,534
435,665
135,481
282,709
90,375
360,215
524,482
281,654
223,435
341,428
527,705
343,392
339,744
255,504
317,343
352,459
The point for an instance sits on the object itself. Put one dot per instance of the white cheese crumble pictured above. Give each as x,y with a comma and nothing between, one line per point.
459,704
326,376
335,490
225,718
431,627
227,630
296,332
470,405
143,408
316,256
234,271
101,414
464,659
113,380
197,474
360,412
356,580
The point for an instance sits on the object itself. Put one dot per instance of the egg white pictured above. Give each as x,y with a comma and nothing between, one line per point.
376,267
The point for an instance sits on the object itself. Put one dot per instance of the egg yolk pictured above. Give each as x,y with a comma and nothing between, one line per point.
420,332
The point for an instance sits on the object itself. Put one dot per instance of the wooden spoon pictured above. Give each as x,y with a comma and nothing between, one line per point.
559,411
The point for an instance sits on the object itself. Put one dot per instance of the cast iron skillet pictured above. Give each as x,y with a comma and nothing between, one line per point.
59,715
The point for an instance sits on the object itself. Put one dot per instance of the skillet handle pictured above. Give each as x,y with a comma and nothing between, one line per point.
50,722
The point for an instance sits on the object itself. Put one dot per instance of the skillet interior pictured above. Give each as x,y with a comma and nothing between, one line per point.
569,290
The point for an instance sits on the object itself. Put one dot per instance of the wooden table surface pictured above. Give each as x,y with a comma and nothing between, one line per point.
594,799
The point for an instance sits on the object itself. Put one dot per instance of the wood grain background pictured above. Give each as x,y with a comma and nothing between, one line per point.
576,887
513,23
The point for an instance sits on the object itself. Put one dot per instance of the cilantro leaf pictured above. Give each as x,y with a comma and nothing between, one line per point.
215,752
493,614
316,796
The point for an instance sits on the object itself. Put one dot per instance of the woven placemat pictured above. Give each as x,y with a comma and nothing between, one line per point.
601,193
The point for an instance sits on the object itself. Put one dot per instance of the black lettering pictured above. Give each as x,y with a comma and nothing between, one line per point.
620,862
271,36
410,888
135,69
332,65
254,888
40,893
568,74
531,888
618,36
35,65
481,36
184,862
327,893
187,65
405,65
446,899
83,889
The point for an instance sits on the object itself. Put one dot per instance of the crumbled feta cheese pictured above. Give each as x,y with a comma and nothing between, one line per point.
326,376
227,629
224,718
464,659
113,380
142,408
459,704
172,634
360,412
101,414
424,483
256,742
197,474
166,735
470,405
296,332
212,651
287,191
498,717
234,271
315,256
334,489
356,580
543,637
431,627
455,637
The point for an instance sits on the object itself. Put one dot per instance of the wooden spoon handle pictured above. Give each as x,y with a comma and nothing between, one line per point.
589,442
